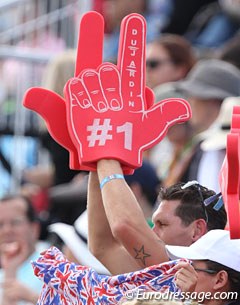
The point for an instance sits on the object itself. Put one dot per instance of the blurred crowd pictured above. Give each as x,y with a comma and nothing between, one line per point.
193,52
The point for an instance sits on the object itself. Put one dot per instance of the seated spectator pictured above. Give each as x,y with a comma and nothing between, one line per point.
168,59
19,233
206,86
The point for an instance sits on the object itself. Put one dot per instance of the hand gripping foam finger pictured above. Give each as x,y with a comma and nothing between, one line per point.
230,176
109,108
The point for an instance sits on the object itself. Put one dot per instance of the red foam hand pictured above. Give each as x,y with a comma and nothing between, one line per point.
110,111
230,175
52,107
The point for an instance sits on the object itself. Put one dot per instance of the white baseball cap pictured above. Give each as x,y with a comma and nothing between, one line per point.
75,238
215,245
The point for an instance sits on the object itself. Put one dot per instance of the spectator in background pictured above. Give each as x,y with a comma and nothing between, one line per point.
214,145
19,233
168,59
206,86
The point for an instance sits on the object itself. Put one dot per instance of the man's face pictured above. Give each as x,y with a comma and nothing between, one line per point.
14,225
169,227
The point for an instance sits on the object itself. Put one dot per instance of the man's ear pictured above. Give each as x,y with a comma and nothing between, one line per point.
221,279
199,229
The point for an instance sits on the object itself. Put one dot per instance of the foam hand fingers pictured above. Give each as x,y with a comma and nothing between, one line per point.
131,61
163,115
51,107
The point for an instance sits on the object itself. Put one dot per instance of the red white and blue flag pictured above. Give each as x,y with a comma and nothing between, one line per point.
68,283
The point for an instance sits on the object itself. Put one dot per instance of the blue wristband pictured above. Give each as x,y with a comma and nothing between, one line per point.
109,178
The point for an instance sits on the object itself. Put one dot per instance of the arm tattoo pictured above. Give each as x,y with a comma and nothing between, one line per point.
140,254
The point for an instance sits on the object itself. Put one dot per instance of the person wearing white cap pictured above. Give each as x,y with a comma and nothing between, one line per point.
214,269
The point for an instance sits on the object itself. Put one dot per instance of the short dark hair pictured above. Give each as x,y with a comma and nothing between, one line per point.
233,276
191,205
30,210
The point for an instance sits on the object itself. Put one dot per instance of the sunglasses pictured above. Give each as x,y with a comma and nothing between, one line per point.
209,271
155,63
211,199
197,186
207,201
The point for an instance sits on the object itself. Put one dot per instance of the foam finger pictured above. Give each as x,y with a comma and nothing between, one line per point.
90,42
110,83
77,94
131,60
91,82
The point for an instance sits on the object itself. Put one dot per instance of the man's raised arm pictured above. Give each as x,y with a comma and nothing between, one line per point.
102,244
126,219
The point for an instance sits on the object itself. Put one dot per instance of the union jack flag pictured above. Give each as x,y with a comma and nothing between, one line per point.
68,283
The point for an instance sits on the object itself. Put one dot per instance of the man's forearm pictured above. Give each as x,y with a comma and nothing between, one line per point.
99,232
101,241
119,201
